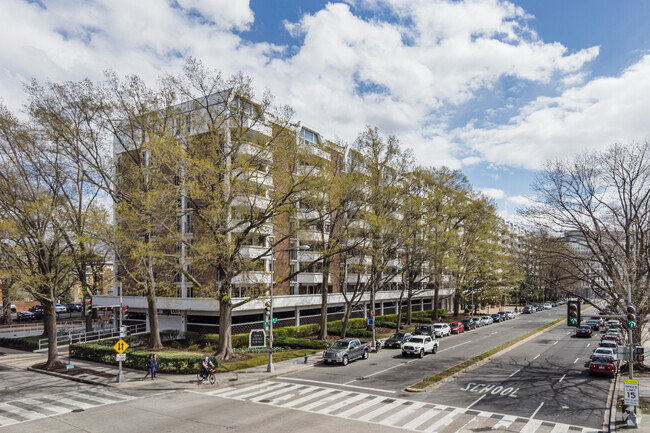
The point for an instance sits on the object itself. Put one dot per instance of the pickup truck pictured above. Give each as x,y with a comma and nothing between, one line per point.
346,350
419,345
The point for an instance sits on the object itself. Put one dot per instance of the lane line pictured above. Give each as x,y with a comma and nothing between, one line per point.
576,360
451,347
562,378
556,343
515,373
337,384
379,372
536,357
479,399
537,410
588,344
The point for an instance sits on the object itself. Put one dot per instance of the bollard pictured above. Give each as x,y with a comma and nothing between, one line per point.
306,356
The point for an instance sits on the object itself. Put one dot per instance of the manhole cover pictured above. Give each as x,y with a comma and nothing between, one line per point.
77,410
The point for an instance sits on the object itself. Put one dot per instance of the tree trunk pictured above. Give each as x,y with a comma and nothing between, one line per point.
224,351
399,312
456,303
322,334
409,309
436,298
6,301
154,331
49,325
345,320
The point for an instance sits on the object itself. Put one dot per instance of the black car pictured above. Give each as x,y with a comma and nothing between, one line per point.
25,315
496,318
527,310
583,331
595,324
396,340
71,307
469,324
425,330
38,311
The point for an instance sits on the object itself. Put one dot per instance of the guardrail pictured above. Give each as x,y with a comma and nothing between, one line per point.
69,337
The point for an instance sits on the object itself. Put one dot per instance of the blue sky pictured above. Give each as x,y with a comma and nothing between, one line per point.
492,87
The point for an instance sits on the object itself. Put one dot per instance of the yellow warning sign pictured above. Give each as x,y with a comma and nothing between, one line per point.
121,346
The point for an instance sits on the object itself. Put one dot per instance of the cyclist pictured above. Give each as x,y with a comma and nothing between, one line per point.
204,366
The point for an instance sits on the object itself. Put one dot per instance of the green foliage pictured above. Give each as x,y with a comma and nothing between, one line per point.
185,364
299,343
23,343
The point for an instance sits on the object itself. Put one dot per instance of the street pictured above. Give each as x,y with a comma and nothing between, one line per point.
541,385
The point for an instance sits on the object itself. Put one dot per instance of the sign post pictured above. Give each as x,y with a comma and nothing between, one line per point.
631,392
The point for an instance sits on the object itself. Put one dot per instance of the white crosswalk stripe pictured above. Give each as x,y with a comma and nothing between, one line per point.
395,412
50,405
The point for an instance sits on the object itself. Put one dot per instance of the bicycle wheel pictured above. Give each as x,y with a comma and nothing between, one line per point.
212,379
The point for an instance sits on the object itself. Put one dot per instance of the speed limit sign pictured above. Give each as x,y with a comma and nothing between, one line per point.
631,392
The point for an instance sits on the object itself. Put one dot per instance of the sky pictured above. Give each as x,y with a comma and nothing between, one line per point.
494,88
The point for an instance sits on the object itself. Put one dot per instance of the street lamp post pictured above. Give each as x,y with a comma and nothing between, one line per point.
269,367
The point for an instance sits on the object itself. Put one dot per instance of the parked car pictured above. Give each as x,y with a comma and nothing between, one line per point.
345,350
25,316
602,365
397,339
583,331
478,322
527,310
441,329
548,306
595,324
510,315
60,308
496,318
611,337
607,351
424,330
419,345
468,324
72,307
38,311
457,327
487,320
610,344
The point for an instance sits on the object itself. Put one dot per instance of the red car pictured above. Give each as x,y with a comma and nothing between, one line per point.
602,365
457,327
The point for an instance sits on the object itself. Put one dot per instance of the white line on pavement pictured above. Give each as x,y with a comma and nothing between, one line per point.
476,401
389,368
337,384
515,373
562,378
537,410
576,360
536,356
451,347
555,343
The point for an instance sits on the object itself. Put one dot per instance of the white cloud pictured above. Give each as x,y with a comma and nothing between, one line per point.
521,200
493,193
591,117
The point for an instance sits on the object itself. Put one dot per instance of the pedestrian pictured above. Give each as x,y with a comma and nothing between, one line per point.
149,365
155,366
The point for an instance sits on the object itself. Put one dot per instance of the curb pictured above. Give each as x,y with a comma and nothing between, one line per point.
612,402
477,364
65,376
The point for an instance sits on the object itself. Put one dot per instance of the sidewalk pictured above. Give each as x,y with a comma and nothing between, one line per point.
643,420
103,374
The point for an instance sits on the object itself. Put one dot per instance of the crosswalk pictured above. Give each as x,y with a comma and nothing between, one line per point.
37,407
388,411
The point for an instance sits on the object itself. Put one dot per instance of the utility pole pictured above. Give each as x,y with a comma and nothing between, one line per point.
120,374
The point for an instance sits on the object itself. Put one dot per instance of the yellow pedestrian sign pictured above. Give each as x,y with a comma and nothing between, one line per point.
121,346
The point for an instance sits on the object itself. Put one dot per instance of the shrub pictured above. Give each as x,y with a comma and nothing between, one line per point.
185,364
297,343
383,324
193,347
23,343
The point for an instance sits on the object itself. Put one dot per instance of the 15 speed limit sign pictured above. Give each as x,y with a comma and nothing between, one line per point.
631,392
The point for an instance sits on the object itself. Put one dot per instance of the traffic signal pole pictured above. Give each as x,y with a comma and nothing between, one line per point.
120,374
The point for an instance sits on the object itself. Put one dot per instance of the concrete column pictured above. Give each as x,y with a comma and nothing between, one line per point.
297,316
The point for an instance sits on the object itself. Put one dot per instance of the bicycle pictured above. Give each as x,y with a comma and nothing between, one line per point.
210,376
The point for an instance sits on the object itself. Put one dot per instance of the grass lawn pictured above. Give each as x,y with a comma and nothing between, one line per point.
257,359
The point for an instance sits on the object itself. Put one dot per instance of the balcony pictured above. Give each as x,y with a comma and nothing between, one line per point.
253,277
312,235
310,278
252,200
251,252
308,256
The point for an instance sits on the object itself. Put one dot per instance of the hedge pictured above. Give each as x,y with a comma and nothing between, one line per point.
186,364
22,343
299,343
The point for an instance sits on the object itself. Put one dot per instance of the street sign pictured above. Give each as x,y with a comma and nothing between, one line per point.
266,323
275,320
69,366
120,357
121,346
631,392
370,320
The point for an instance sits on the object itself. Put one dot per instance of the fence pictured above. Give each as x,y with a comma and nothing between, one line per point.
68,336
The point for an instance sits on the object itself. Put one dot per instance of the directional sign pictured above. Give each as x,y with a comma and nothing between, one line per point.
120,357
266,323
370,321
631,392
121,346
275,320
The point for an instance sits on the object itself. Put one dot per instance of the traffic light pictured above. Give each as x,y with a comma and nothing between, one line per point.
87,306
267,311
125,309
631,316
573,313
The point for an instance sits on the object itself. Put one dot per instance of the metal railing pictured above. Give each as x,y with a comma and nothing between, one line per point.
70,336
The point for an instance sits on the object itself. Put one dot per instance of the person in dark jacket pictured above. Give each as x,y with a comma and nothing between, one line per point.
150,366
155,366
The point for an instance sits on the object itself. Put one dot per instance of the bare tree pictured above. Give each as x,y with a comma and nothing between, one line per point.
599,205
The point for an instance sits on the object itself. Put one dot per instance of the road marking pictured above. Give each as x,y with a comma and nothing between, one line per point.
562,378
537,410
568,333
301,400
536,357
320,382
476,401
576,360
495,332
266,395
555,343
389,368
380,410
588,344
421,419
361,407
515,373
451,347
345,402
403,415
444,421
